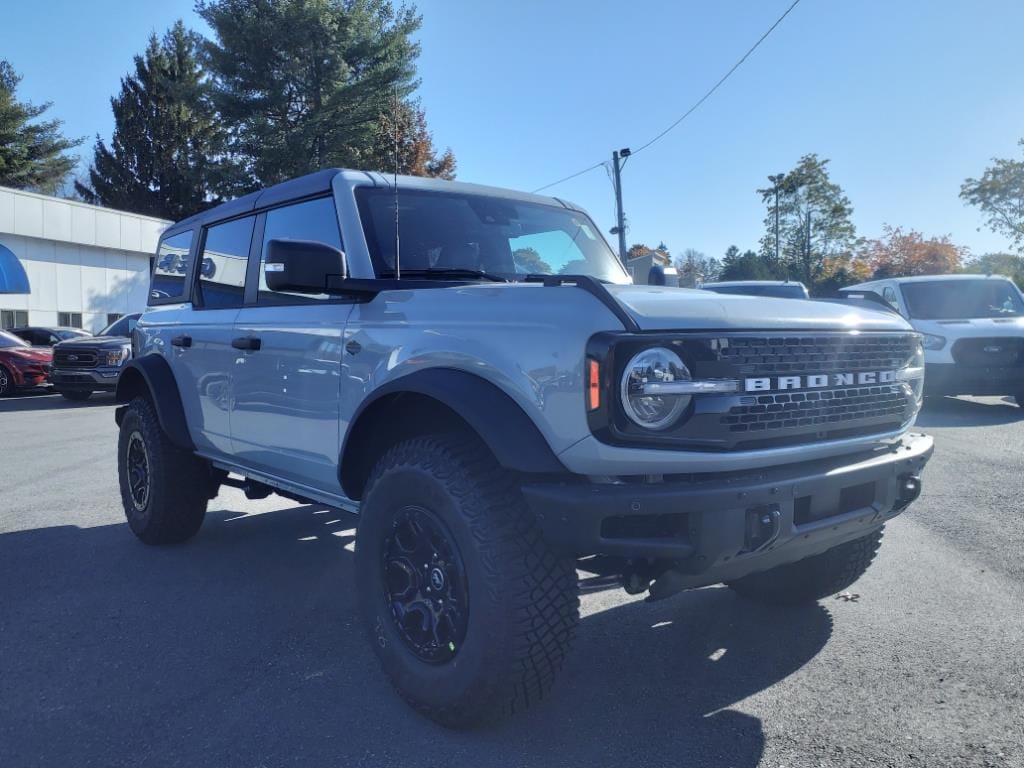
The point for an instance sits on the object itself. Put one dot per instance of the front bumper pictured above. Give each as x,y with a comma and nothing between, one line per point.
91,380
719,527
954,379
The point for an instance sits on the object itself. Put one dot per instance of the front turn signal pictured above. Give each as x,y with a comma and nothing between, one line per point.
593,385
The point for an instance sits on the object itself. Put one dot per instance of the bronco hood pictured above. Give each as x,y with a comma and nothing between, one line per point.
657,308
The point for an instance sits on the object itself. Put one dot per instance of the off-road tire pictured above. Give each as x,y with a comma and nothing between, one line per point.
75,395
815,577
6,382
523,599
175,502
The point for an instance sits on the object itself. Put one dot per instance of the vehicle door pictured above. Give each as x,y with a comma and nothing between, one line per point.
285,409
203,355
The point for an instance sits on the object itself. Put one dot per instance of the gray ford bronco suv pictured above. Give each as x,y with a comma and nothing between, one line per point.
470,370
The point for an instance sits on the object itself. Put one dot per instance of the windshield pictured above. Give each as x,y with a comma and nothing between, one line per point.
122,327
962,299
790,291
442,231
8,340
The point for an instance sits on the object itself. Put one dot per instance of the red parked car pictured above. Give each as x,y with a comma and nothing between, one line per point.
22,366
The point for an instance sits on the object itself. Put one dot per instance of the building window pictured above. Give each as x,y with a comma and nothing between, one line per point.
69,319
13,318
113,317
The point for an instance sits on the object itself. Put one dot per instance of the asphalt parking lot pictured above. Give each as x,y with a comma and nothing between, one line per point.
241,647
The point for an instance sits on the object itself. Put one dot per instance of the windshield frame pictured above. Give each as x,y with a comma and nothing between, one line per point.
616,274
961,285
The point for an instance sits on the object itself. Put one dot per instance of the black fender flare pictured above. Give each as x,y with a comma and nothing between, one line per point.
152,375
497,419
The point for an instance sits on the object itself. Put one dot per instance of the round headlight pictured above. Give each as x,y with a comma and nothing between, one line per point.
653,366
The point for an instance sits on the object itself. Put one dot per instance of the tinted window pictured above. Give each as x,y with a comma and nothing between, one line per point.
170,268
10,340
788,291
962,299
311,220
122,327
223,262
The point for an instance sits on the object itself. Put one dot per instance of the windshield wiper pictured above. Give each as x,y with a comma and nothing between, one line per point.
449,272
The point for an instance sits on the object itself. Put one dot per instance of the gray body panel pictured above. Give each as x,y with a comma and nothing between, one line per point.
282,413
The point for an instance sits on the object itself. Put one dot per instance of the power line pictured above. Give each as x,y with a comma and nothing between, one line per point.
725,77
697,104
573,176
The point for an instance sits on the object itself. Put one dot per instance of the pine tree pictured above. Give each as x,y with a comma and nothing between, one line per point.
302,83
165,158
32,153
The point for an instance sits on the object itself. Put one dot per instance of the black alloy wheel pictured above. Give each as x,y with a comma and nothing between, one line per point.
138,470
425,586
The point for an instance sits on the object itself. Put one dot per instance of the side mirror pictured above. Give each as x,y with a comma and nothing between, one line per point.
656,276
303,266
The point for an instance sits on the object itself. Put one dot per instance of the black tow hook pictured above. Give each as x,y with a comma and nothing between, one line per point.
909,490
763,525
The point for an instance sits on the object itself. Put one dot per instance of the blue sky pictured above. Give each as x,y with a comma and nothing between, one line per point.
906,98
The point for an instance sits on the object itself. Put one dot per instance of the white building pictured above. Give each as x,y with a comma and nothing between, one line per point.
86,265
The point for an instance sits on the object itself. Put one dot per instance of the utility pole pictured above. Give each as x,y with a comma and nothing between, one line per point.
620,218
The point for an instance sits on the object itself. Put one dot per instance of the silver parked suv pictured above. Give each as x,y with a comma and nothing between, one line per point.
472,372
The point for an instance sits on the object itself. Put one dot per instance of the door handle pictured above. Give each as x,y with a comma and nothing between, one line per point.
251,343
181,341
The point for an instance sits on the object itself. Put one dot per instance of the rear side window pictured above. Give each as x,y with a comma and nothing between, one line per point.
312,220
223,262
170,269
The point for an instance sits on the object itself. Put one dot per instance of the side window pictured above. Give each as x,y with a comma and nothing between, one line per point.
312,220
170,268
222,264
889,294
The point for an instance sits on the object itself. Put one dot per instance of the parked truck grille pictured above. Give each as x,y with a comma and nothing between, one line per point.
1006,351
826,409
768,356
79,358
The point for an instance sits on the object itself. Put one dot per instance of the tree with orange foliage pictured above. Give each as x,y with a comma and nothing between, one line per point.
900,253
416,154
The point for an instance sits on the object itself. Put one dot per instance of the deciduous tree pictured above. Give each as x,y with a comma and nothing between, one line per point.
33,152
999,193
166,155
814,220
416,153
900,253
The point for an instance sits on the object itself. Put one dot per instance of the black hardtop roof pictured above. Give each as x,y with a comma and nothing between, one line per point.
311,184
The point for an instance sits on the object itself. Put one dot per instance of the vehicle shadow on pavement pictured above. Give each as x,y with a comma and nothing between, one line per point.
51,402
243,647
956,412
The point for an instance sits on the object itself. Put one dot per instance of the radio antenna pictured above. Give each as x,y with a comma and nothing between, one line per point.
398,263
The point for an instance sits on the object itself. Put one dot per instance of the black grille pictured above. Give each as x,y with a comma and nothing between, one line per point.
78,358
1004,351
768,356
824,409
